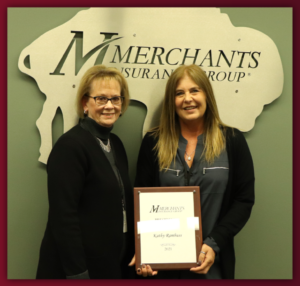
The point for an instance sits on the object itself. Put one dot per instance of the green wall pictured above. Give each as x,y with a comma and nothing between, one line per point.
270,142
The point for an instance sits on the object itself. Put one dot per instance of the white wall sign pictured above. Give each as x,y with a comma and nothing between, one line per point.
147,44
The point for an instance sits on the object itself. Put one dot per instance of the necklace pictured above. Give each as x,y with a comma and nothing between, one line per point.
189,155
107,147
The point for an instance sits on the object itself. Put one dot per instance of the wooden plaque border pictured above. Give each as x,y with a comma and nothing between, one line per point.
198,233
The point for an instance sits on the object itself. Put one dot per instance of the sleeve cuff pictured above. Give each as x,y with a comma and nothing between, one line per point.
211,242
84,275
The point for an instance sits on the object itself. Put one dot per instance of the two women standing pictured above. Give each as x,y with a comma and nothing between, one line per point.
90,227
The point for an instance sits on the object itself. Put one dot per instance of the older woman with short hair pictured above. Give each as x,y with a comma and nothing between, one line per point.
193,147
89,233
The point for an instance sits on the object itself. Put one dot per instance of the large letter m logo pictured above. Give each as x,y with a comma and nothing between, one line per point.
79,59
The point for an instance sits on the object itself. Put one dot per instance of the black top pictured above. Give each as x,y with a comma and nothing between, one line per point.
96,129
102,133
238,197
85,222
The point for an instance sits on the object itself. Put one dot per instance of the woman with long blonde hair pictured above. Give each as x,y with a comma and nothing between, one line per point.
193,147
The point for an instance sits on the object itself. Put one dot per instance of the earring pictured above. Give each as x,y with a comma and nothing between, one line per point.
85,112
120,113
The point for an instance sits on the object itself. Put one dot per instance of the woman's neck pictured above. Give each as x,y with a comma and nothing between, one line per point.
96,129
191,129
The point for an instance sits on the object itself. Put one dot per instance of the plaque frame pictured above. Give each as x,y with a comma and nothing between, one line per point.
198,232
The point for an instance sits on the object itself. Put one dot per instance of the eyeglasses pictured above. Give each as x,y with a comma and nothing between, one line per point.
102,100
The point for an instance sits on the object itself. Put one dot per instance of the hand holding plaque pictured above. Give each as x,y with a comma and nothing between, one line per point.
167,227
143,271
206,259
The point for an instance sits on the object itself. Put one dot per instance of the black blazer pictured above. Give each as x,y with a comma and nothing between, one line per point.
85,222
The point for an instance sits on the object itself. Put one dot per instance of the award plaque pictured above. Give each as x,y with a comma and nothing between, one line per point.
168,229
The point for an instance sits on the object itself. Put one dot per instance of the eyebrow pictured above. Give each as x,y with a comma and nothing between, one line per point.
106,95
189,88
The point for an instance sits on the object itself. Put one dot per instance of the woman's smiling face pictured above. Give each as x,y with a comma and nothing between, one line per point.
190,101
105,115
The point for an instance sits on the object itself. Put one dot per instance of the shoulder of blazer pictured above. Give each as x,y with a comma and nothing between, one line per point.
150,139
77,134
234,136
75,139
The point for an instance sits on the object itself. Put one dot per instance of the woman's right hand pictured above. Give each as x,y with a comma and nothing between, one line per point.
145,270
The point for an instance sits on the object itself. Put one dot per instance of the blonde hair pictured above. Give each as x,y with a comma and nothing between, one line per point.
100,72
168,130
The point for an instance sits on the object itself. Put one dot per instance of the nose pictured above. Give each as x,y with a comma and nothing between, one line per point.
109,105
188,97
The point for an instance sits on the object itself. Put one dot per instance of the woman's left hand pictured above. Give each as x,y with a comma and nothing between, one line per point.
145,271
206,260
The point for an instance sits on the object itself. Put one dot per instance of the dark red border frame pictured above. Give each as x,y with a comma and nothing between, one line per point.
146,3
